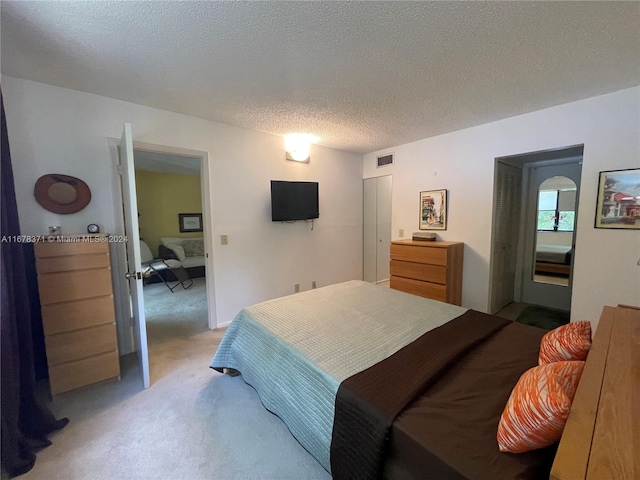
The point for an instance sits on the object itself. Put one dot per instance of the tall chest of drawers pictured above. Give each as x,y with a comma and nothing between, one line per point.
429,269
76,297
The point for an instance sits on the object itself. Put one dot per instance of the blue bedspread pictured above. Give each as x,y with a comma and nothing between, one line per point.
296,350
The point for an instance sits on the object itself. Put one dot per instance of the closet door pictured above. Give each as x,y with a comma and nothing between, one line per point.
383,227
376,228
369,236
506,215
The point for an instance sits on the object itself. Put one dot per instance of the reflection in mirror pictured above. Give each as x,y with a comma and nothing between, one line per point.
555,229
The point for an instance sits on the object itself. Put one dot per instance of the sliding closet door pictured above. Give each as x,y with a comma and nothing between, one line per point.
369,237
376,228
383,227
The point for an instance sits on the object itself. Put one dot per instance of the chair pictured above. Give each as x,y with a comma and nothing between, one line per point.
159,266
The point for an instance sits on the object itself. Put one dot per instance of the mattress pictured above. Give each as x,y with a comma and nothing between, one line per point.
553,254
296,350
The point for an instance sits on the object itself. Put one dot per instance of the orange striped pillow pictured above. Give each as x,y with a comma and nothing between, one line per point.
568,342
538,407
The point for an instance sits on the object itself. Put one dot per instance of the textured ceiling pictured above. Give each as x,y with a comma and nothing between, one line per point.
361,76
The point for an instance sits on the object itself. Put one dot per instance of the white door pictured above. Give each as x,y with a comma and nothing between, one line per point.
383,229
376,228
506,215
134,267
537,288
369,236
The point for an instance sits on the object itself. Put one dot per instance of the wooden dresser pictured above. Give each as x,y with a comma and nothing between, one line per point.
600,438
428,269
76,296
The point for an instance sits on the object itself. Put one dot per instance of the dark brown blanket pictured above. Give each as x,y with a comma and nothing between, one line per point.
450,431
364,411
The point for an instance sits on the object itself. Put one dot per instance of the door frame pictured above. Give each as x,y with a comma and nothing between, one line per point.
119,257
557,155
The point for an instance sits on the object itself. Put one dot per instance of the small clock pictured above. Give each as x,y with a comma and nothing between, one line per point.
93,228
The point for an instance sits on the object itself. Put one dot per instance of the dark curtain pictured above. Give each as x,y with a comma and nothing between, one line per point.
25,422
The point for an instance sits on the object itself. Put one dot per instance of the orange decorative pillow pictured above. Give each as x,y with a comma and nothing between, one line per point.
538,407
568,342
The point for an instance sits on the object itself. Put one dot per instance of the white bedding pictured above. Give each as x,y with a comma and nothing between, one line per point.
296,350
553,254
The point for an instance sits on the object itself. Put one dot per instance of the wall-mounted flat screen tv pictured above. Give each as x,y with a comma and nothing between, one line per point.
292,201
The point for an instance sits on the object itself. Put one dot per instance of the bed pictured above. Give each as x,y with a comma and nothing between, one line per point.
554,259
377,383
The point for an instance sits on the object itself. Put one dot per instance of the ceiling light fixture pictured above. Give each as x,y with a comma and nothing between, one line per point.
298,146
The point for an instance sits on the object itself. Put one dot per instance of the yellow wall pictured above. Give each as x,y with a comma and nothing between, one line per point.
161,197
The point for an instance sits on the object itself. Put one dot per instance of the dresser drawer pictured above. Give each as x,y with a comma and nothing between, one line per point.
434,291
419,271
59,249
76,285
66,347
419,254
72,262
64,317
72,375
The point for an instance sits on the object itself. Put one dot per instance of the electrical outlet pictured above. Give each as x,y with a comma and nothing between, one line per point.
296,288
401,232
224,239
313,284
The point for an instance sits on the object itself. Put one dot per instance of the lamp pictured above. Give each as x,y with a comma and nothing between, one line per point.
298,146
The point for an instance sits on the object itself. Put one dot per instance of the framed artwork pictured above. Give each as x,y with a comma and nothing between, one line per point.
433,210
618,199
190,222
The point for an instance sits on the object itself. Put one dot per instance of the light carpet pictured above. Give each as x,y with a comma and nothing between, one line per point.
193,423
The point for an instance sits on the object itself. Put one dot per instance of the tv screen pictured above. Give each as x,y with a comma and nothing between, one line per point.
292,201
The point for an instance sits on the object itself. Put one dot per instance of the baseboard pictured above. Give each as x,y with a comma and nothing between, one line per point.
223,325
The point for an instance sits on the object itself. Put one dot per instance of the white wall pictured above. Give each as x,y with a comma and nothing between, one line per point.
605,271
56,130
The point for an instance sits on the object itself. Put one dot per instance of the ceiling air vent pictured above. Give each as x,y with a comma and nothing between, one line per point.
385,160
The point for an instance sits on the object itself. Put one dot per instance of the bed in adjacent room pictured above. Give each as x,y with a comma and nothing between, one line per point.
554,259
377,383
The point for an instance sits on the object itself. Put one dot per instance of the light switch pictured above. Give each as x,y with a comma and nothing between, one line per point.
224,239
401,233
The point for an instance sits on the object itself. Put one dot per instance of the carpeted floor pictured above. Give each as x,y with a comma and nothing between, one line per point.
193,423
172,320
543,317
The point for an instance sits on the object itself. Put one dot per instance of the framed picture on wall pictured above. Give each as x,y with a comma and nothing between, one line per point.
618,203
433,210
190,222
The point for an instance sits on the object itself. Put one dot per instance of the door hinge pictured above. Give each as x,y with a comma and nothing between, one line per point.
120,170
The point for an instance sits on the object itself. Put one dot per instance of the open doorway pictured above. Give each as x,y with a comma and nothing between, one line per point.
533,242
126,256
172,224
